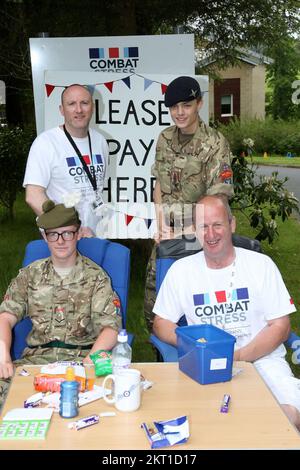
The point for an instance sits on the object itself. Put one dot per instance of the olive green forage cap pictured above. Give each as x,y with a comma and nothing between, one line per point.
58,215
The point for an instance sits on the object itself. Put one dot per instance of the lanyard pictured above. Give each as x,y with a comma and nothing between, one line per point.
91,177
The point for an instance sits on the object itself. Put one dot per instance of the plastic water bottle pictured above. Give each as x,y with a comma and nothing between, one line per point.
69,389
121,353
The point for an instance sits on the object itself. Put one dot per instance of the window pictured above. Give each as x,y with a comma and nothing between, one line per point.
226,105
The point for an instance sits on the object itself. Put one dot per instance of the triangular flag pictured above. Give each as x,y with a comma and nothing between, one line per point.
163,88
126,80
147,83
128,219
148,222
91,89
49,89
109,86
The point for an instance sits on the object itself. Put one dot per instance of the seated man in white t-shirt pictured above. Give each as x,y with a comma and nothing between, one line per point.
239,290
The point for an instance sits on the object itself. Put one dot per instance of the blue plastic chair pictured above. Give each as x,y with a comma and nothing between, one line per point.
113,257
168,353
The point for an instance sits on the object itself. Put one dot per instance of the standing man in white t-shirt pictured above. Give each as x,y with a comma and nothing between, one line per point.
238,290
68,162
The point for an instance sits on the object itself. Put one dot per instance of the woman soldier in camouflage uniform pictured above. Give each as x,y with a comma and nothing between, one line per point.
191,160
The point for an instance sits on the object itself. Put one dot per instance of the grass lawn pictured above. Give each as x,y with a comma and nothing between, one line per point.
275,160
285,252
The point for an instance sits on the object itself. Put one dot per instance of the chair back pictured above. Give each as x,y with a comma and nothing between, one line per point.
162,266
165,352
113,257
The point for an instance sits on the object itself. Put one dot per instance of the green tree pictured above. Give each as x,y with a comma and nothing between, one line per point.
14,146
262,200
281,75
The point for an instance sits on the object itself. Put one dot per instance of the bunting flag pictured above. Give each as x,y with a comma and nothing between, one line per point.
49,89
147,83
109,86
128,219
148,222
126,80
163,88
91,88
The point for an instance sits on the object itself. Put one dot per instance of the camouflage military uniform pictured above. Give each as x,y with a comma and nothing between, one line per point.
72,310
186,170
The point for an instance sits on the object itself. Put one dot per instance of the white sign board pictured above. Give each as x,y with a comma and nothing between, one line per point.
170,54
130,113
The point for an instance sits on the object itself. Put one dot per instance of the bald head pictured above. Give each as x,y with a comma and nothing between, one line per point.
214,225
75,86
77,109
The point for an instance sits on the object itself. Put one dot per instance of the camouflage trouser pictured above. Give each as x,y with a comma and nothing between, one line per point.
150,289
41,356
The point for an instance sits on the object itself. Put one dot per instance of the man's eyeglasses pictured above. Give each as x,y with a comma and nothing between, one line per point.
67,236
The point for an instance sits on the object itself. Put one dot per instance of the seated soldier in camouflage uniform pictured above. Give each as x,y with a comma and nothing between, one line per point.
68,297
191,160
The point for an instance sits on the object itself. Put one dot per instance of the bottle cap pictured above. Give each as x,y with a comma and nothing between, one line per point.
70,375
122,336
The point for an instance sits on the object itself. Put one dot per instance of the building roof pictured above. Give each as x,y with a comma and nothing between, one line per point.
246,55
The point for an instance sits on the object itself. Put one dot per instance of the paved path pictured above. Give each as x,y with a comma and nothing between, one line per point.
293,175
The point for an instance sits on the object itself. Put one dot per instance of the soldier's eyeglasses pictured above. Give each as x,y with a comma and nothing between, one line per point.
67,236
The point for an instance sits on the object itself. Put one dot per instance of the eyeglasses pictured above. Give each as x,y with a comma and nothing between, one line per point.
67,236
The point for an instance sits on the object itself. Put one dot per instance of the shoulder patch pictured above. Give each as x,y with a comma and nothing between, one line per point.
117,303
226,173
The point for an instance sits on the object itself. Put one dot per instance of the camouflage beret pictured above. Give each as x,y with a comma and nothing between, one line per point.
182,89
55,216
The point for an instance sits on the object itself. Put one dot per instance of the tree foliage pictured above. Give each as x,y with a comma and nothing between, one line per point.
223,26
281,74
14,146
262,199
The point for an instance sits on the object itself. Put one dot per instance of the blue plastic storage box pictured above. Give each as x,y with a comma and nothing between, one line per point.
206,362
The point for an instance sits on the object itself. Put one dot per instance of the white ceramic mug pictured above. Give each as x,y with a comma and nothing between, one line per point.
126,390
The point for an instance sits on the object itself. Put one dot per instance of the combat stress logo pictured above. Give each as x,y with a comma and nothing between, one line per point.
78,173
227,310
114,59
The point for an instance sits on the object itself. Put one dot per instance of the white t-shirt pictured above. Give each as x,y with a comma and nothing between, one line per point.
53,164
240,298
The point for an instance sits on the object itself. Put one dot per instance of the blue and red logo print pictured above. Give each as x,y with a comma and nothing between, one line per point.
74,161
221,296
113,52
